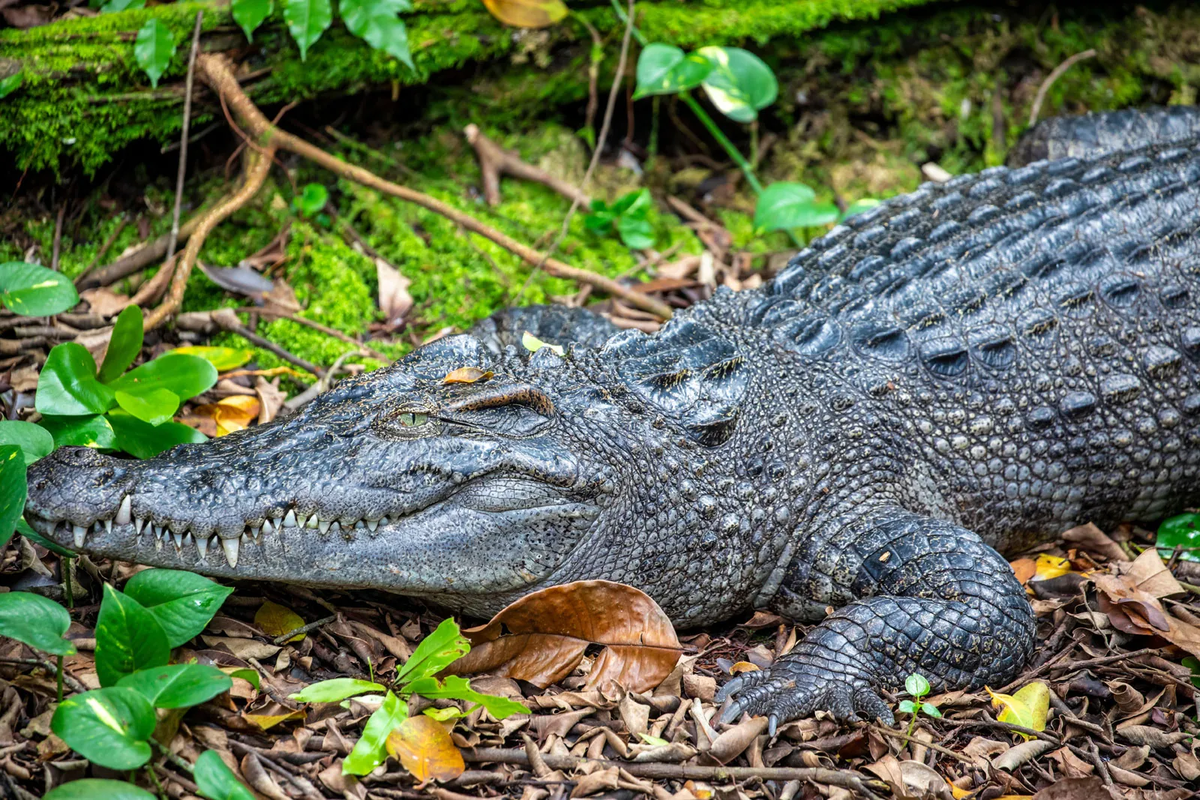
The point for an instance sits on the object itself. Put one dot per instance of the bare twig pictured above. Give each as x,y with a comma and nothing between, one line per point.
303,629
256,173
215,69
183,136
1051,78
56,249
833,777
316,326
228,321
902,736
141,258
495,161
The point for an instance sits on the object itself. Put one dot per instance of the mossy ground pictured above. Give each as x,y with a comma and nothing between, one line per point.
861,107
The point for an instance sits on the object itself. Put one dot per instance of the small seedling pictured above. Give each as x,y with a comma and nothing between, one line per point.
917,686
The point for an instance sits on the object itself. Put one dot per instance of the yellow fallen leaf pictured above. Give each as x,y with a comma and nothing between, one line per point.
533,344
527,13
425,749
232,413
268,721
1027,708
223,358
743,666
276,620
1049,566
467,375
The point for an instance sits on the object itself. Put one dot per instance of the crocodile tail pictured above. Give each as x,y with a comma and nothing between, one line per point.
1094,135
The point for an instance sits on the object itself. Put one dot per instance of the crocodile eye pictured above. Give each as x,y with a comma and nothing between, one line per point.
411,419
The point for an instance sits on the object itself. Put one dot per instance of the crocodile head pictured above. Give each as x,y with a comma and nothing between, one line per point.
454,473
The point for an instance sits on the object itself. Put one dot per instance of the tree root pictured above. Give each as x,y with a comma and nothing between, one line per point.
495,161
216,70
257,167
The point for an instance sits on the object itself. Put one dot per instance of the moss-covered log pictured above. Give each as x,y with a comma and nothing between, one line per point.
83,95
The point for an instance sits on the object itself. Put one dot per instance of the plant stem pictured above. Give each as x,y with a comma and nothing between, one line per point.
157,785
58,662
723,140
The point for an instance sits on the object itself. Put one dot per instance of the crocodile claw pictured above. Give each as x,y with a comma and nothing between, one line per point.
792,689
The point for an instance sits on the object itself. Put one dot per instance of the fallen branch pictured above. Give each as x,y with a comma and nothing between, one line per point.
831,777
495,161
228,321
139,259
259,164
217,72
316,326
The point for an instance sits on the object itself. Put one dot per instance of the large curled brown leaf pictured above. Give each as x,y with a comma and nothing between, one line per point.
542,637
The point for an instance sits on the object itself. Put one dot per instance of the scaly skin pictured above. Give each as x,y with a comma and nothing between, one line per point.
974,367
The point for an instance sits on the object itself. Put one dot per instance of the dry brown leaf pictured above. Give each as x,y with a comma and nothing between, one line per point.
258,777
276,620
549,630
105,302
733,742
527,13
270,399
1094,540
268,721
1070,764
1074,789
394,299
242,648
467,375
232,413
424,747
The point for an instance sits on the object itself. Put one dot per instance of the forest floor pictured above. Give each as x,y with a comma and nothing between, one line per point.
865,111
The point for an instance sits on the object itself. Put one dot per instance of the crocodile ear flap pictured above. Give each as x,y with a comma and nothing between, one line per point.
689,373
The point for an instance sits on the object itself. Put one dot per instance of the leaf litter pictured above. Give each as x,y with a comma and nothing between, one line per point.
628,703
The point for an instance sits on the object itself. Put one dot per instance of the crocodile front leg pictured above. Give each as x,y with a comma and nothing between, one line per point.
933,598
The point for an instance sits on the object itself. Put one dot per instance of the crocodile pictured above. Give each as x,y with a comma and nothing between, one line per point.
965,370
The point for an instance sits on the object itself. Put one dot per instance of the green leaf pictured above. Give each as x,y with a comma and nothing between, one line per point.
453,687
740,83
247,674
665,69
931,710
251,13
186,376
916,685
1194,665
93,431
128,638
178,685
11,83
152,406
34,440
376,23
636,232
307,20
13,490
35,537
108,727
33,291
1182,531
36,621
153,49
371,749
784,205
113,6
223,358
335,690
438,650
183,603
98,789
216,781
67,384
908,706
533,344
146,441
313,196
124,346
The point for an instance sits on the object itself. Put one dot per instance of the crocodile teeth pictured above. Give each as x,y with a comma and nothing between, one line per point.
108,526
301,520
290,520
80,535
360,525
372,524
202,546
314,521
383,521
138,524
336,526
178,537
268,527
230,546
125,512
324,525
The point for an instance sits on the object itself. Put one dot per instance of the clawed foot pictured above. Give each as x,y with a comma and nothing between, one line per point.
789,690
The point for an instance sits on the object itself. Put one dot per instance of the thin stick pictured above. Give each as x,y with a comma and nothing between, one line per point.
56,248
183,136
316,326
229,322
312,626
256,174
833,777
1051,78
215,69
936,747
